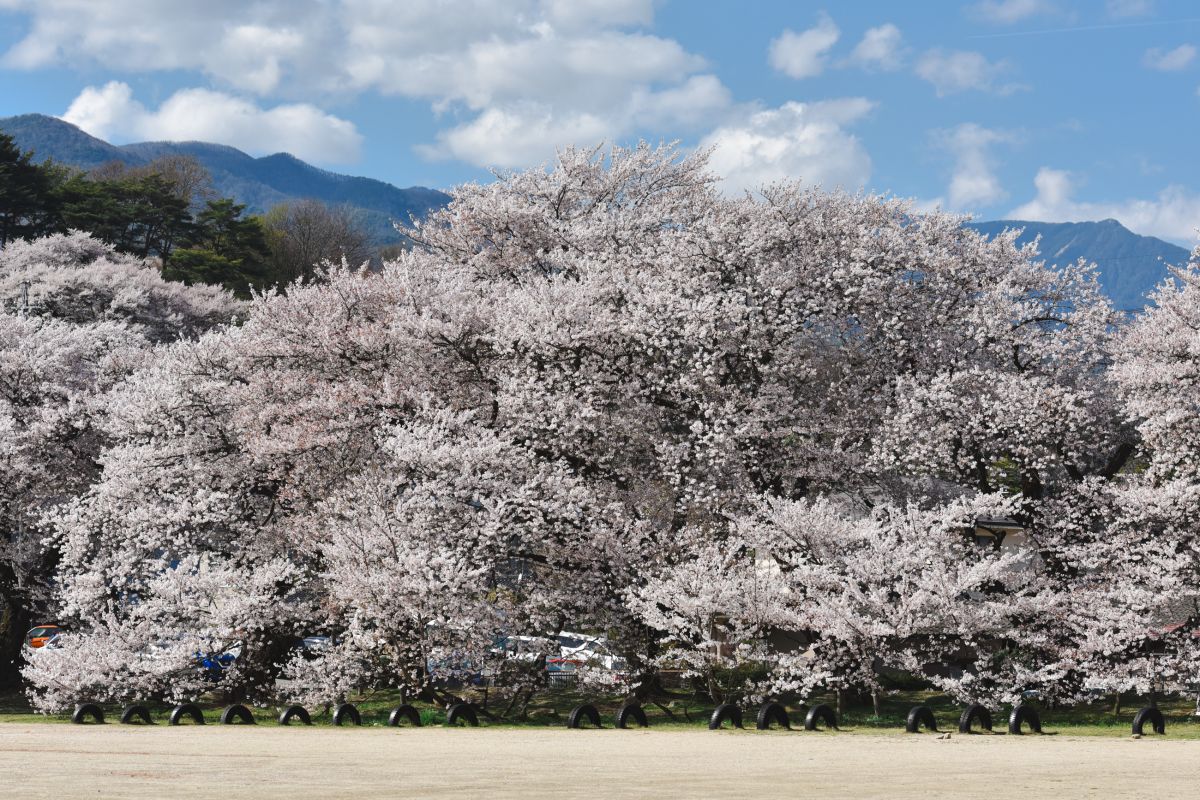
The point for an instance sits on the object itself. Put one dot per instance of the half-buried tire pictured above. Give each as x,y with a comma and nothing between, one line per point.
725,711
1152,715
631,711
294,712
135,713
820,714
463,712
237,713
772,714
918,716
583,713
973,713
346,712
1024,715
189,710
405,712
88,710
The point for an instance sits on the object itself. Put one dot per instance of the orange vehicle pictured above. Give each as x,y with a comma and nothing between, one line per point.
37,637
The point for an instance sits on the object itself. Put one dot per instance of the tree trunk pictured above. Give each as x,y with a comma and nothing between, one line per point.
875,702
714,691
512,703
15,621
1116,708
259,665
841,705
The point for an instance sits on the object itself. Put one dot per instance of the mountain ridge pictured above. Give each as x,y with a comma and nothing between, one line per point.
1129,265
258,182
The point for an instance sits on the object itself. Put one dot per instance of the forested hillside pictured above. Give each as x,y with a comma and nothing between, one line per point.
257,183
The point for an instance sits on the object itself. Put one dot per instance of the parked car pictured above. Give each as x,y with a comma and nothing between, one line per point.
591,650
42,635
575,650
315,644
214,664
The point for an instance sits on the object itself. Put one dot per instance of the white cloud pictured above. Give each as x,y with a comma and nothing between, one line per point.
520,134
111,112
804,141
584,13
516,135
802,55
1129,8
1007,12
960,71
973,182
252,56
881,47
1170,60
1173,214
692,104
145,35
537,70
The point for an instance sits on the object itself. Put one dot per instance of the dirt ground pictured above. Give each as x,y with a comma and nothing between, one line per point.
68,761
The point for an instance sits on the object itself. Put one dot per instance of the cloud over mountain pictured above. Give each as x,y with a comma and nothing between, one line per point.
111,112
536,70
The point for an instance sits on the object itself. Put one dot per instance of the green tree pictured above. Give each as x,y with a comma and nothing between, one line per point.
143,214
27,203
225,248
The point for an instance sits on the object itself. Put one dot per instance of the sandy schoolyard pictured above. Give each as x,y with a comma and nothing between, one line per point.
70,761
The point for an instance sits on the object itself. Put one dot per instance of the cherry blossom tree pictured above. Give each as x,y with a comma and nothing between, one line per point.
49,371
455,541
78,278
79,317
601,396
1151,559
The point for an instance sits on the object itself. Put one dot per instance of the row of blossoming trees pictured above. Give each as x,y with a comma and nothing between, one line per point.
745,438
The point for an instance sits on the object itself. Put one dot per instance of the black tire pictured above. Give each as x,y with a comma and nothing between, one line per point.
131,714
918,716
725,711
1024,714
1152,715
189,710
85,710
404,712
294,712
821,713
464,712
237,713
631,711
773,713
580,713
346,711
971,714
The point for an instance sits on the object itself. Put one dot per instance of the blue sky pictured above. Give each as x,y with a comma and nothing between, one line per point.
1043,109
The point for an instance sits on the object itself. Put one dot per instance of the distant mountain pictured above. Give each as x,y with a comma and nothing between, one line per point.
1130,265
260,183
